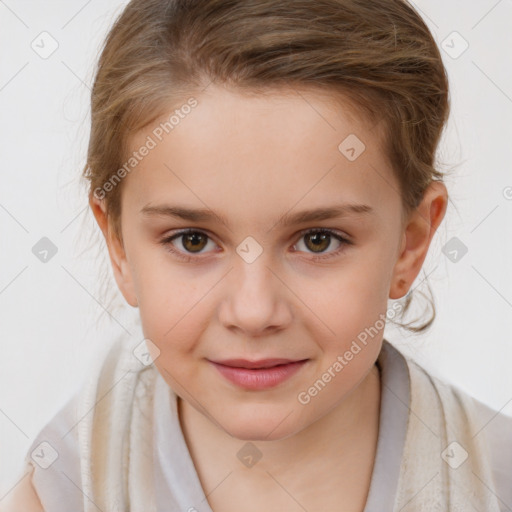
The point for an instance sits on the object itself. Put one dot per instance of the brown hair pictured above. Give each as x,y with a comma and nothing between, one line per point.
378,53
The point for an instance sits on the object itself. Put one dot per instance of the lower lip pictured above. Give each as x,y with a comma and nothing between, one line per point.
263,378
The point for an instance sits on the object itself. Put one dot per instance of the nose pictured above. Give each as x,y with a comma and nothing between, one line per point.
255,300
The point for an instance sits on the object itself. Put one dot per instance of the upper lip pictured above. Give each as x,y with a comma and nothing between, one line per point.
261,363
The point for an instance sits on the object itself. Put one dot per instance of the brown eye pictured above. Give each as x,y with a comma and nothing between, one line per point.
194,241
318,241
190,242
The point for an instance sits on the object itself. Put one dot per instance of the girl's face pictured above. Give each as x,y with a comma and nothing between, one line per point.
291,272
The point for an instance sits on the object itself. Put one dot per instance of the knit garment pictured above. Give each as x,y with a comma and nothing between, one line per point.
444,466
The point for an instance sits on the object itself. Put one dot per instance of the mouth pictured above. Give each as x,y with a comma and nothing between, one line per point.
256,365
258,375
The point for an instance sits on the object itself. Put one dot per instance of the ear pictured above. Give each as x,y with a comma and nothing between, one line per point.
416,237
120,266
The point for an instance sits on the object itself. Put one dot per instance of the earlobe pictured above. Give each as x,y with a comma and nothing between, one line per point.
120,267
419,231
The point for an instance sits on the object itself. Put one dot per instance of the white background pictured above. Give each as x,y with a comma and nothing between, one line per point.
53,319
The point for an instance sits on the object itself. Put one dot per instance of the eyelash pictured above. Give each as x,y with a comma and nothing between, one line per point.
167,242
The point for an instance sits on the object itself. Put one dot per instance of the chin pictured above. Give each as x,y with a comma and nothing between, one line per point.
255,426
255,433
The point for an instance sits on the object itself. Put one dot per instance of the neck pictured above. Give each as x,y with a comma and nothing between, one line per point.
344,439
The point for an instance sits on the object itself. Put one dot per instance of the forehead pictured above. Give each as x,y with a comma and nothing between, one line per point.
246,150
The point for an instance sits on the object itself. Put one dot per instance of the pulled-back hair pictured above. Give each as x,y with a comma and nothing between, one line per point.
378,54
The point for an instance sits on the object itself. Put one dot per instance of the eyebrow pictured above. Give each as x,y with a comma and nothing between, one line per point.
206,215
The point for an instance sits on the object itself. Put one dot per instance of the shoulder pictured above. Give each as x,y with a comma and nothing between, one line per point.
53,460
23,497
496,430
489,426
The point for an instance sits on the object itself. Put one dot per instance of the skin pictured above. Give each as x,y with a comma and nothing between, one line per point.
22,497
253,159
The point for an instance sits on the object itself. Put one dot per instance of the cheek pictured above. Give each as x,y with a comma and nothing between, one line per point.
353,294
159,284
169,306
172,308
351,306
171,313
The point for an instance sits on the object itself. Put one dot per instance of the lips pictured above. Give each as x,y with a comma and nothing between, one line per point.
254,365
258,375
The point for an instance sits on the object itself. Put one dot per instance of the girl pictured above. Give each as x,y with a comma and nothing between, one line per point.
263,174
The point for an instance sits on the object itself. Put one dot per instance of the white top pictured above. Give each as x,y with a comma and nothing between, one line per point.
178,487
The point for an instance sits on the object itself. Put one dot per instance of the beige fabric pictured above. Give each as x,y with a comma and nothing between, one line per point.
440,415
116,435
